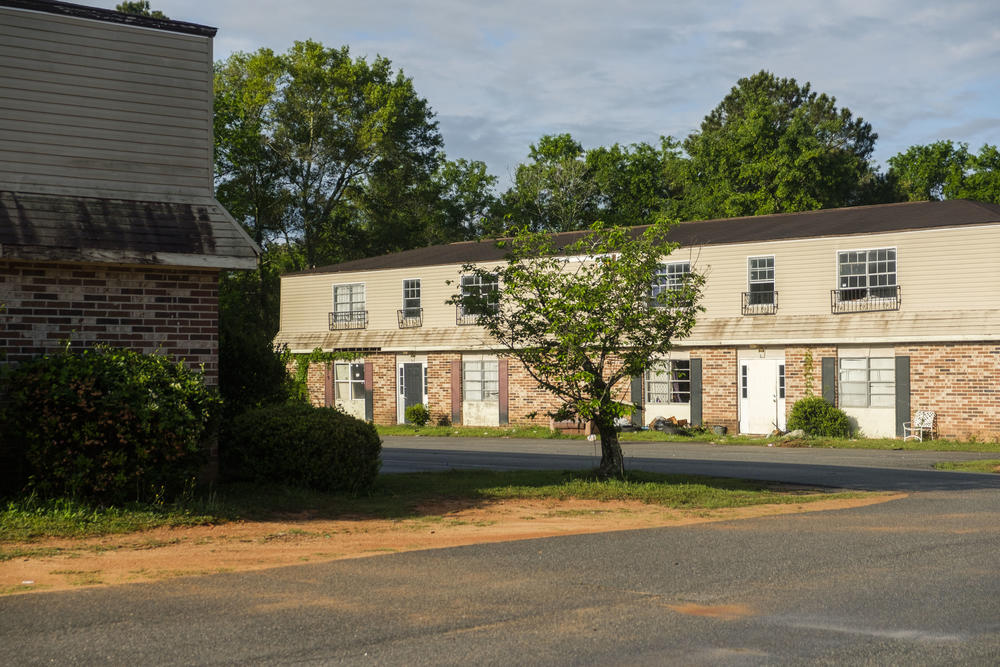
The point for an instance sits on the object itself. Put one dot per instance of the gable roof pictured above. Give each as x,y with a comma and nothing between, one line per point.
780,226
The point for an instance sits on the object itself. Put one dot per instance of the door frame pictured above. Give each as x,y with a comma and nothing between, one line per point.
746,381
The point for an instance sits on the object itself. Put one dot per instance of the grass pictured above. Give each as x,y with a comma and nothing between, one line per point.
657,436
983,465
397,496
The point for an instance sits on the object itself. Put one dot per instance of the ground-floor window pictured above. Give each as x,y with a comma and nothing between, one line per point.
480,380
669,382
867,382
349,381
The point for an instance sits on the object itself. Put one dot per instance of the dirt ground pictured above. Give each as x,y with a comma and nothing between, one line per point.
61,564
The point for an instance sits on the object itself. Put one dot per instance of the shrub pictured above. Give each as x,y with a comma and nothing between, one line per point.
418,414
817,417
299,445
108,425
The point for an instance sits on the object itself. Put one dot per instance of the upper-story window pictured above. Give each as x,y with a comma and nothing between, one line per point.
666,279
349,307
669,382
760,297
480,287
411,314
866,280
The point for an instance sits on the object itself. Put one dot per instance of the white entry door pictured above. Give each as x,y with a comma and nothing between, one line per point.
762,401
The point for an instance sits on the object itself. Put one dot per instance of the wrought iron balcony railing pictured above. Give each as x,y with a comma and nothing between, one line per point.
865,299
463,318
760,303
410,318
351,319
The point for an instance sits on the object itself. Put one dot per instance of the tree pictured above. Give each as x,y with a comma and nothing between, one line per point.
582,318
947,170
774,146
141,8
564,187
322,151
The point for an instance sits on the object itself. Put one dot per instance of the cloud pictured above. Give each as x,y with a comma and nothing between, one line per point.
501,74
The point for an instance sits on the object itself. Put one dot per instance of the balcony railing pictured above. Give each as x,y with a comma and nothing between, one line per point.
463,318
410,318
865,299
351,319
760,303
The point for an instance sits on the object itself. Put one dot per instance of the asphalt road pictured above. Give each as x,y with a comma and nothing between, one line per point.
847,468
912,581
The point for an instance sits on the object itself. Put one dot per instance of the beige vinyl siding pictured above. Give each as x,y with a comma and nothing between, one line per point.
949,280
99,109
306,300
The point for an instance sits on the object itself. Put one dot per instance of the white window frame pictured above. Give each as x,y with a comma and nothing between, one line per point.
668,372
471,280
351,302
855,292
348,379
855,373
477,385
413,289
668,277
759,281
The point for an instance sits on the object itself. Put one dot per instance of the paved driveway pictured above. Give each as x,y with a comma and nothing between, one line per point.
913,581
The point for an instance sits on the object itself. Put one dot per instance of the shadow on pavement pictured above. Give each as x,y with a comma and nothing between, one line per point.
849,477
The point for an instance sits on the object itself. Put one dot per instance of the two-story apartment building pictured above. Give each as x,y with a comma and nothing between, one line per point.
109,227
882,310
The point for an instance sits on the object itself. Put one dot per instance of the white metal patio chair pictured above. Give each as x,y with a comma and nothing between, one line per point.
922,424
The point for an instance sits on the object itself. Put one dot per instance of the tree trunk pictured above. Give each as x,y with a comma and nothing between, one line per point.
612,461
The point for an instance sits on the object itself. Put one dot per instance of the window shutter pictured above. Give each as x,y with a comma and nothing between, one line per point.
829,380
502,390
696,418
902,392
456,391
370,391
637,400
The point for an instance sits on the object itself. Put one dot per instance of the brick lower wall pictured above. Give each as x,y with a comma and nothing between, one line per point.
439,384
149,309
804,372
961,383
719,380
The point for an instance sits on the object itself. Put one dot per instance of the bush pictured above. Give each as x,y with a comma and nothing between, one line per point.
418,414
817,417
107,425
299,445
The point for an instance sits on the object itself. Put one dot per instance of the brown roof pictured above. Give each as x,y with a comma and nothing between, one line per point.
109,16
828,222
45,226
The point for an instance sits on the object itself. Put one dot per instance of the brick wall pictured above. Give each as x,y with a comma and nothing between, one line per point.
798,369
384,387
719,381
152,309
439,384
961,383
531,404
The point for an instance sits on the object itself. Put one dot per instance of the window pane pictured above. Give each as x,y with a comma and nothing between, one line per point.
340,371
853,363
358,390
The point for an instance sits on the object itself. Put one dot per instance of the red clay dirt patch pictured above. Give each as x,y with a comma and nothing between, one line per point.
60,564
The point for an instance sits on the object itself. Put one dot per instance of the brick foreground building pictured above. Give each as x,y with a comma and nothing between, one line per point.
109,229
882,310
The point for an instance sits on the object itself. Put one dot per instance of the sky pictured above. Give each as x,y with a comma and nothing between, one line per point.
499,75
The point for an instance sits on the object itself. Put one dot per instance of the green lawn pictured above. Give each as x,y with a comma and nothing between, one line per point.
394,496
983,465
656,436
